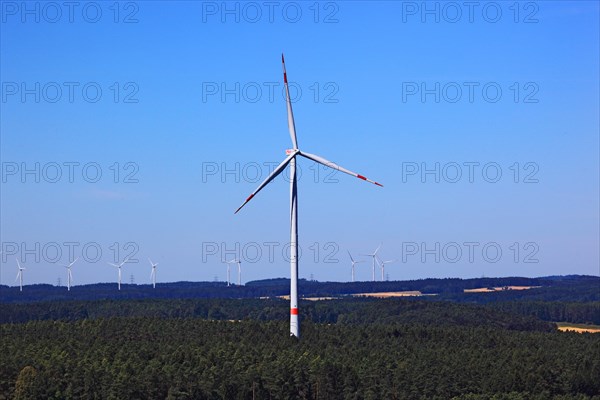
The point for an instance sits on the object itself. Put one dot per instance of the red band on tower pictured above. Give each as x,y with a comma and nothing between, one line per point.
293,311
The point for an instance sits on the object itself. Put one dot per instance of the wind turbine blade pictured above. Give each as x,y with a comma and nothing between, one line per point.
151,263
291,124
275,172
351,259
333,165
378,247
114,265
18,263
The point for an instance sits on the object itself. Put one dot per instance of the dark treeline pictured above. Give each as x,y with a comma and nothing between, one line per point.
192,358
561,299
342,311
565,288
576,312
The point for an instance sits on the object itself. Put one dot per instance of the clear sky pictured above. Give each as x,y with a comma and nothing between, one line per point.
138,129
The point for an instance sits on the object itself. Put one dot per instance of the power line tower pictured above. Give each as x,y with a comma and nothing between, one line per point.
58,282
131,280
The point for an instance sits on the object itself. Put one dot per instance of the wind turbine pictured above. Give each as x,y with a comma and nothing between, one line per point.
353,263
374,255
69,274
119,268
228,271
382,264
20,275
239,264
291,160
153,273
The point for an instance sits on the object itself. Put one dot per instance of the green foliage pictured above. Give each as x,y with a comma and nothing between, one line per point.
343,311
351,349
27,385
577,312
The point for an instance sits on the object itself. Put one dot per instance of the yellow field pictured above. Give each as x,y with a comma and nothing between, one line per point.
381,295
499,289
580,328
384,295
319,298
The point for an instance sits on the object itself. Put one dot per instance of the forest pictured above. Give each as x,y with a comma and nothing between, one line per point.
560,288
350,348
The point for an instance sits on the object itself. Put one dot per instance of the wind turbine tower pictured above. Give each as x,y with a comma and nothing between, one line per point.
119,266
153,273
20,275
382,264
70,274
374,255
239,264
228,271
353,263
290,160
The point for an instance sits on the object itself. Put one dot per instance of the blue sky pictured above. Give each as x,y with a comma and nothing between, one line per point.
190,118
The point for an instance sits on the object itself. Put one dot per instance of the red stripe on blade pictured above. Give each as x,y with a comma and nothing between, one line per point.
285,77
294,311
378,184
361,177
249,197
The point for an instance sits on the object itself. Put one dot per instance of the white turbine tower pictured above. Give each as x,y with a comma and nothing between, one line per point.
119,269
20,275
291,160
153,273
229,271
69,274
374,255
382,265
353,264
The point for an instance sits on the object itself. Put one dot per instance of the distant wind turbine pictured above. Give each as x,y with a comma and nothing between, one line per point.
239,264
291,160
228,271
382,265
153,273
69,274
20,275
374,255
353,263
119,268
